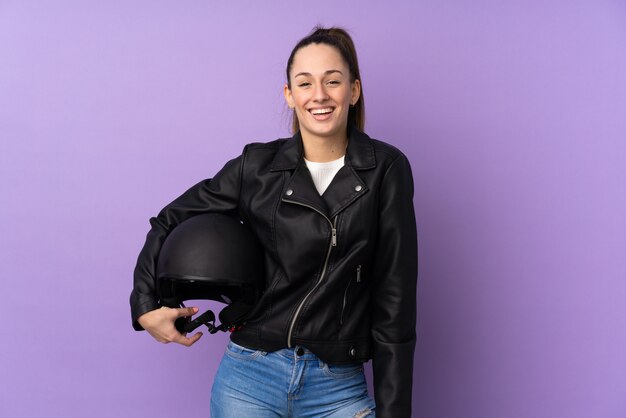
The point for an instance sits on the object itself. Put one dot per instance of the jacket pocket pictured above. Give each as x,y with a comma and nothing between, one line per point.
346,294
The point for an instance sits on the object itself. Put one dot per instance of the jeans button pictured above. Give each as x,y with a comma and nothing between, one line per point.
300,351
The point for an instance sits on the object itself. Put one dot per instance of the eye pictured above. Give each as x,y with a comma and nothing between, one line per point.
334,82
304,84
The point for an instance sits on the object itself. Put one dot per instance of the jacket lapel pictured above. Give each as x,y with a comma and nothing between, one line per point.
346,186
301,189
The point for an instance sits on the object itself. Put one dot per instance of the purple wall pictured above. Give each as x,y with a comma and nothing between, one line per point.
512,113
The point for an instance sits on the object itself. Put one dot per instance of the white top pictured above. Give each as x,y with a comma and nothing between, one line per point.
323,173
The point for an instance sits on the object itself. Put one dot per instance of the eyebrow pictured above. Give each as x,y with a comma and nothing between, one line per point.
325,73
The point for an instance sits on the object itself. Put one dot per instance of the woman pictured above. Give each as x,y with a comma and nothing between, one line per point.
333,209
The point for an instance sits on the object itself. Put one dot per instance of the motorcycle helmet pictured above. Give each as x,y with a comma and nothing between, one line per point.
215,257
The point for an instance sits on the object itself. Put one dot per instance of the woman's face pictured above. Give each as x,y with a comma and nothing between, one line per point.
321,92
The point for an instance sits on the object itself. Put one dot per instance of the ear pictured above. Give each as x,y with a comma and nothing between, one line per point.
356,91
288,96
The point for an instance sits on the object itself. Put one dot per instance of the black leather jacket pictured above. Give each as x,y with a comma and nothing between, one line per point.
341,269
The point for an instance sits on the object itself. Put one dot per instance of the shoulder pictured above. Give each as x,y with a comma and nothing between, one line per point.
384,153
260,149
394,167
260,157
390,161
385,150
266,146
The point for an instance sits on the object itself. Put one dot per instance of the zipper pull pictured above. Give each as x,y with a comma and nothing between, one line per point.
358,274
334,239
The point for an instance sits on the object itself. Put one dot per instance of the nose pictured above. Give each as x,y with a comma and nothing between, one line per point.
320,93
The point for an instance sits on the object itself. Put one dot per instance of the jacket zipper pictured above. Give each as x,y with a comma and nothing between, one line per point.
333,243
345,293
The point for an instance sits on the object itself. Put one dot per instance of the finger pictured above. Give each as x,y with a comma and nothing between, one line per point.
195,338
186,311
188,342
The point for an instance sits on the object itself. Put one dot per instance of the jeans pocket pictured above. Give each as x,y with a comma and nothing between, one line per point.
342,371
240,352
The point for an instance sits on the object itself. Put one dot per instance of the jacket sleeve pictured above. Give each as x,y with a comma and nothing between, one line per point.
219,194
394,294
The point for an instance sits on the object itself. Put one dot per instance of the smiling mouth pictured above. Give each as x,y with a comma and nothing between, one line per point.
322,113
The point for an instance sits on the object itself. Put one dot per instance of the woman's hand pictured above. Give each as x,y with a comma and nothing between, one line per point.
160,324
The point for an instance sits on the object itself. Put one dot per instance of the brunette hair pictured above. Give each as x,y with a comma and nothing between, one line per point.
341,40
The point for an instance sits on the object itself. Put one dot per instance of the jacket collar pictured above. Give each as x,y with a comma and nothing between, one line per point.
359,155
344,189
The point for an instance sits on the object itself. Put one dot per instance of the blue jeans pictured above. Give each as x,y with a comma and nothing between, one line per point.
291,382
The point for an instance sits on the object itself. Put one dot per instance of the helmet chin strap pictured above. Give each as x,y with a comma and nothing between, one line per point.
231,317
208,319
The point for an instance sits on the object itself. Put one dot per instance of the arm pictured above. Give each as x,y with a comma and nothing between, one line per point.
393,297
220,194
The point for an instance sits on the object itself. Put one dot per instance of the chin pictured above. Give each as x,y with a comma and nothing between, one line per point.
328,131
323,133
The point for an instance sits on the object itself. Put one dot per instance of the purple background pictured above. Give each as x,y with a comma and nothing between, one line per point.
513,114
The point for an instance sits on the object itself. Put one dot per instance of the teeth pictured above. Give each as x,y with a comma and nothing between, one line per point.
321,111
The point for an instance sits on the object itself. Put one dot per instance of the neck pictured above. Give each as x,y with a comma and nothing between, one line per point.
321,150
